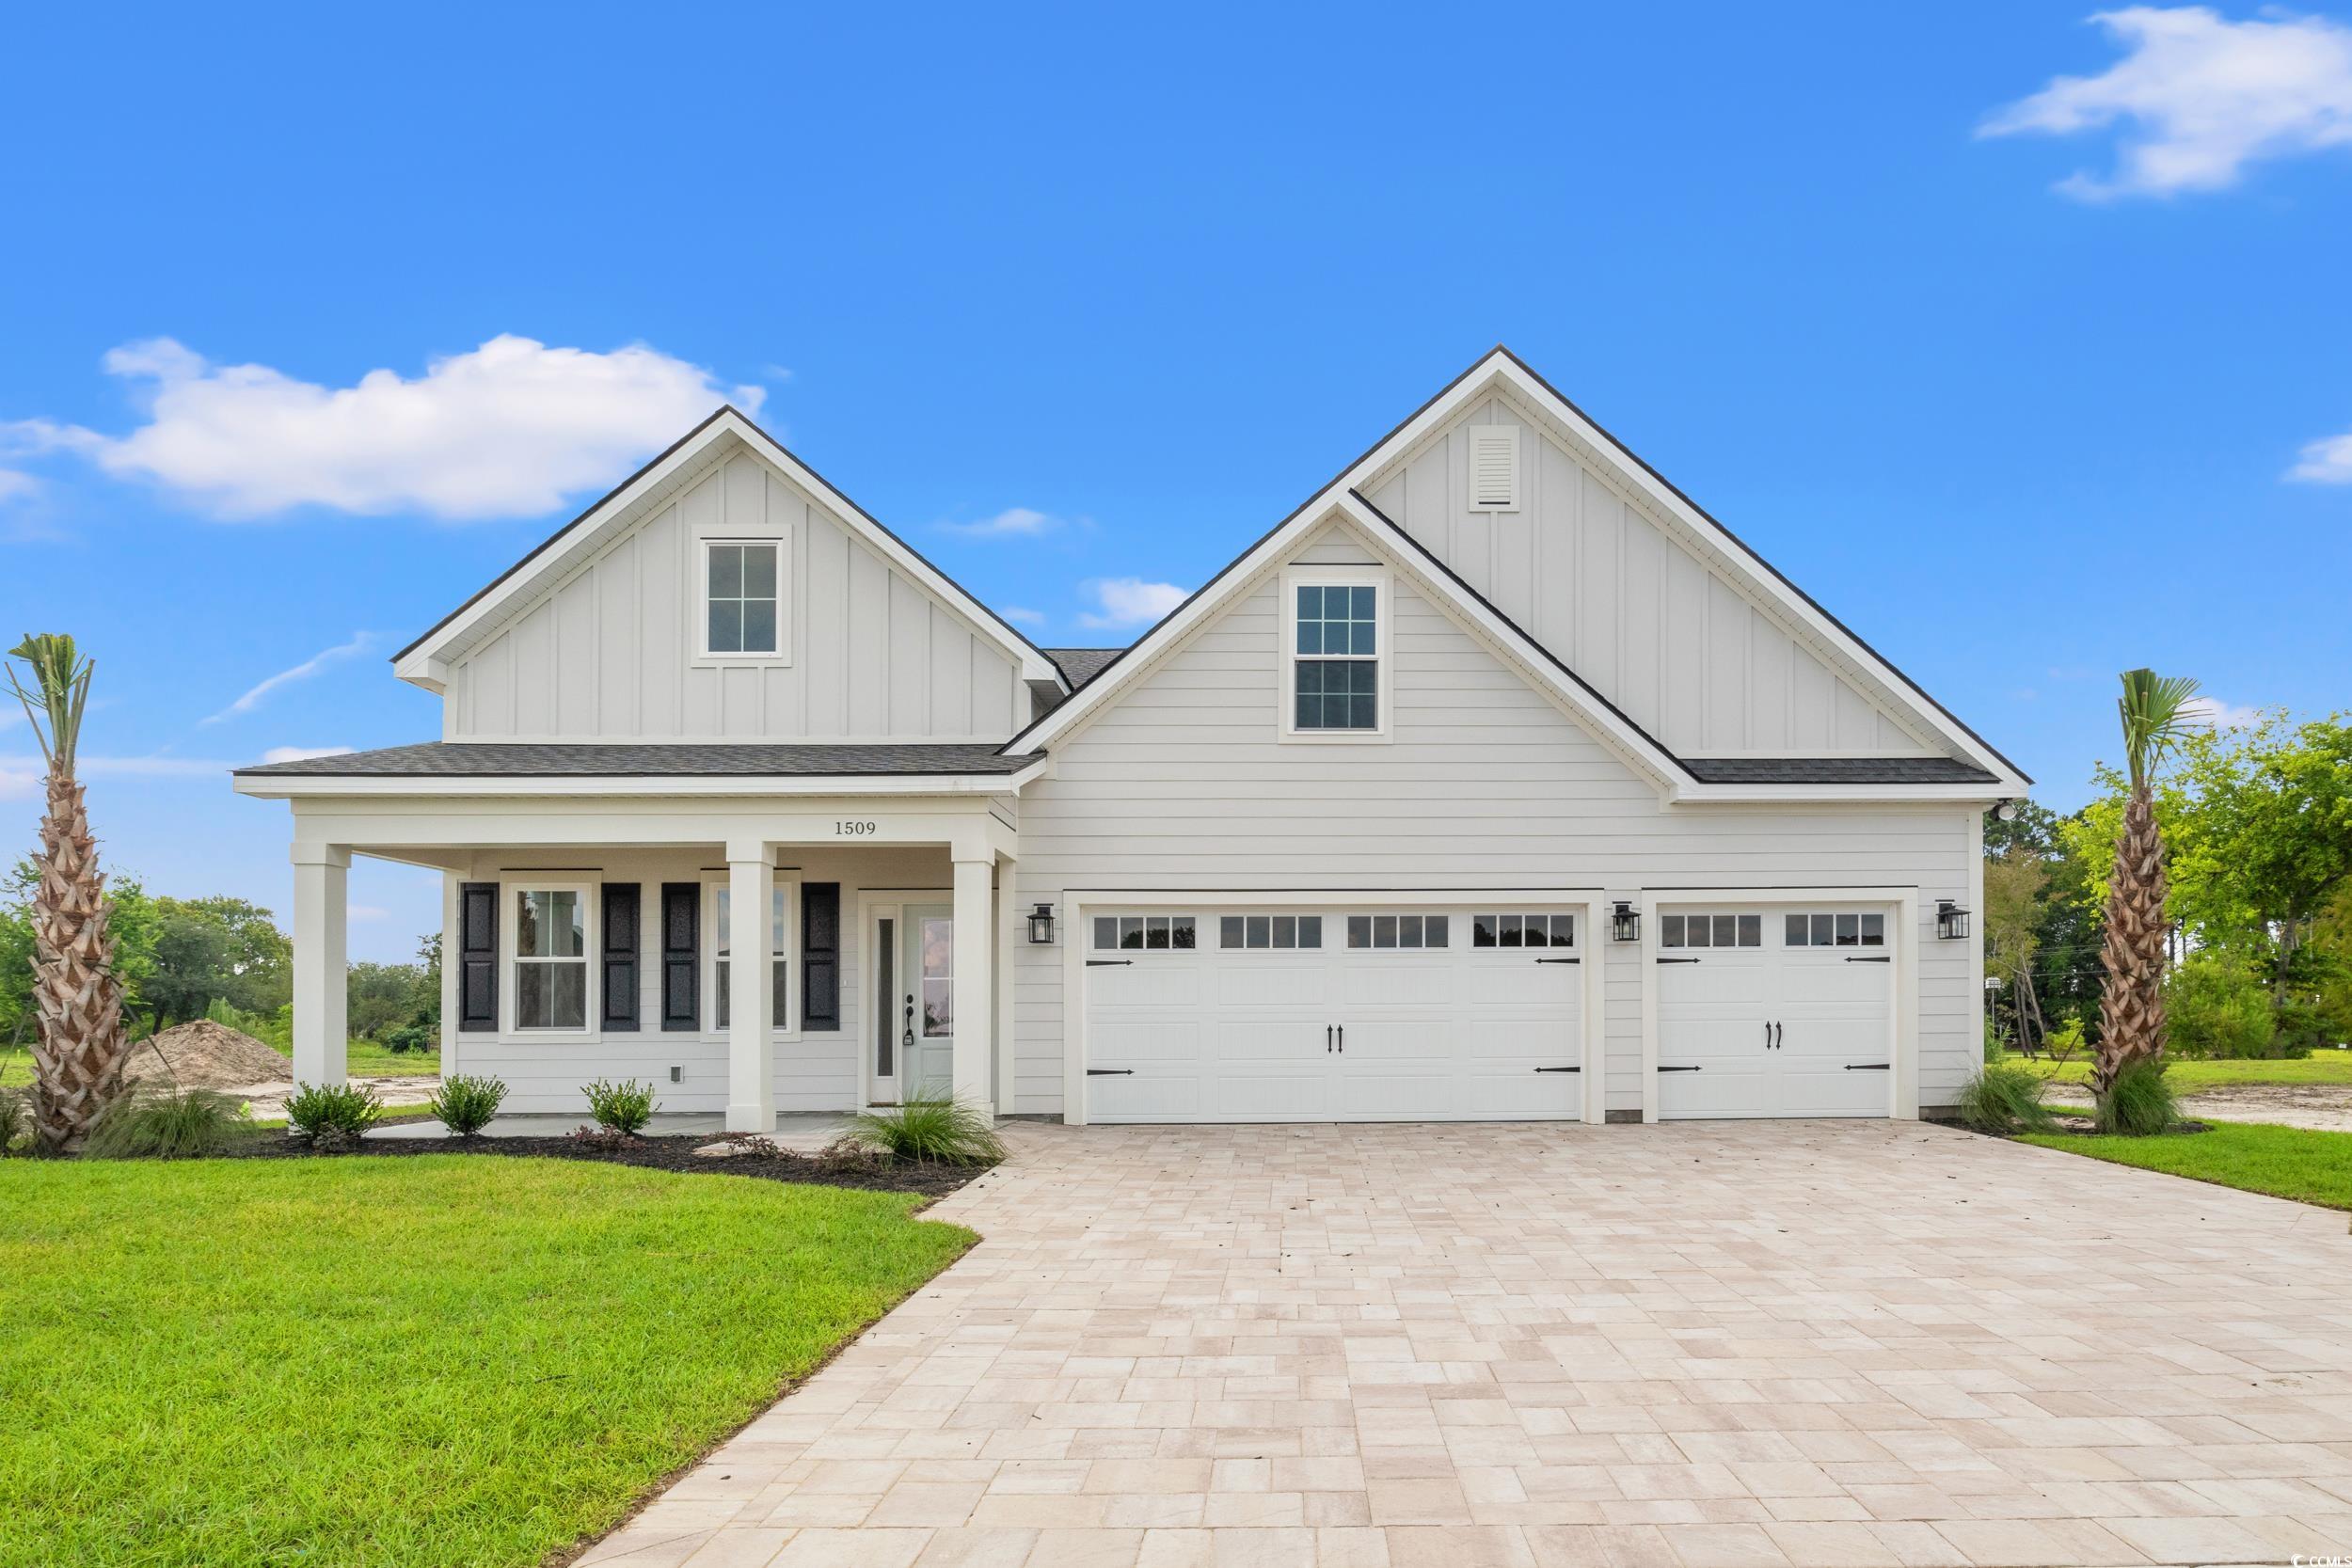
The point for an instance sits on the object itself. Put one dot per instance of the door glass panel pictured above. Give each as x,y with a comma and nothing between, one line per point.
1130,931
1727,930
1670,930
938,939
1434,930
1822,925
1180,933
1849,931
1359,930
886,992
1228,931
1796,927
1874,930
1285,930
1106,933
1155,932
1260,929
1384,930
1751,931
1481,930
1510,933
1695,931
1310,930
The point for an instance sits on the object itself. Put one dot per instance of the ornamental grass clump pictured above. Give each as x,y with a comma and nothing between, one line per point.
2137,1101
2005,1100
465,1104
176,1124
930,1130
333,1115
623,1108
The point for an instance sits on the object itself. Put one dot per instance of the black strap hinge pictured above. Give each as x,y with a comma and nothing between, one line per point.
1663,1067
1105,964
1110,1072
1869,1066
1677,961
1558,960
1874,958
1559,1069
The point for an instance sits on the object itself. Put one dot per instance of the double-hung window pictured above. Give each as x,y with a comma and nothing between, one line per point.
721,988
550,959
1336,641
741,603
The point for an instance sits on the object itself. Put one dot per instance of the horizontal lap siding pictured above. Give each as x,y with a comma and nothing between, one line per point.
1182,784
820,1071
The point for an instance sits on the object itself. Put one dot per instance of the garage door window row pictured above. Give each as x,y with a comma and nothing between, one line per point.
1835,931
1134,933
1398,930
1710,930
1522,930
1268,932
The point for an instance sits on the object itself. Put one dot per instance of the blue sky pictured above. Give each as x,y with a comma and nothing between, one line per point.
2028,380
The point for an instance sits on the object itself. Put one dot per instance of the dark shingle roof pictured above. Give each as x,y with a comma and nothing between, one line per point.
1082,665
525,759
1853,771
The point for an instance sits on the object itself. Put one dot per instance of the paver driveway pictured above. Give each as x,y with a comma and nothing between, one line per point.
1811,1343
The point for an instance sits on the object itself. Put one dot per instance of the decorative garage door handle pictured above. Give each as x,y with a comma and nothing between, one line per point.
1677,961
1559,1069
1558,960
1873,959
1105,964
1663,1067
1110,1072
1869,1066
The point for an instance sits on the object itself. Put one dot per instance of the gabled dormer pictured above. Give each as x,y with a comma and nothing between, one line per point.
725,592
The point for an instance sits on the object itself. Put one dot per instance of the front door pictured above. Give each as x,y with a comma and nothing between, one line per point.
927,1009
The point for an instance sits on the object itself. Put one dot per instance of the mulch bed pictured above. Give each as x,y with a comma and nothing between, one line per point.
670,1154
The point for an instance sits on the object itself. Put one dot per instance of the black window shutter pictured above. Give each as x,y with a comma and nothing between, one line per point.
622,912
820,954
477,956
682,956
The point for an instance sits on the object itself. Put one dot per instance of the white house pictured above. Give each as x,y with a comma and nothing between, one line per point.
1497,780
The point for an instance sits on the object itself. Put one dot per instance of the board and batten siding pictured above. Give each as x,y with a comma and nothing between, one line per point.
1633,612
1184,784
611,653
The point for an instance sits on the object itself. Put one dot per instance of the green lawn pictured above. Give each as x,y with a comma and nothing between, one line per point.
428,1360
367,1060
2284,1162
2320,1067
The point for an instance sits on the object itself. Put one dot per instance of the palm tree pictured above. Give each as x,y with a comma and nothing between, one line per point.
78,1055
2131,1005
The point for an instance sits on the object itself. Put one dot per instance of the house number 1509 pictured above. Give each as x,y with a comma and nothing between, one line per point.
852,829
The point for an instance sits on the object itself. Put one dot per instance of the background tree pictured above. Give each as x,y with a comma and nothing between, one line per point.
211,951
77,998
2131,1002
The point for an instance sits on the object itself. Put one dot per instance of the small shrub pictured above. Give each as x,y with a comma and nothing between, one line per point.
2065,1042
2214,1006
930,1129
466,1105
2141,1100
176,1124
333,1115
624,1107
14,1120
847,1157
416,1035
2005,1100
605,1140
752,1146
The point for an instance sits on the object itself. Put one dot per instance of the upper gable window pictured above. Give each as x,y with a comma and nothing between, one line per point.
1335,640
740,600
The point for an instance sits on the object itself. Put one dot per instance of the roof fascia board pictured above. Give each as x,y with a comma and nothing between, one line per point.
414,663
284,786
1500,366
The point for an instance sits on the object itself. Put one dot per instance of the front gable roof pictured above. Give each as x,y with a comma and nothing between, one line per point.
1979,770
426,661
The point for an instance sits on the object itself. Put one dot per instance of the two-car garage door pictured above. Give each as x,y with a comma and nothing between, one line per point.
1202,1014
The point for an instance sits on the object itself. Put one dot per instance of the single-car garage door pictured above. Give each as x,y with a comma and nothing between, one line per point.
1774,1011
1203,1014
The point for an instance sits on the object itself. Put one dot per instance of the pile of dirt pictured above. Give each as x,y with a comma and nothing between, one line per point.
206,1056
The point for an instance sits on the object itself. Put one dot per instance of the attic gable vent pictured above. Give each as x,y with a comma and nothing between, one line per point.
1494,468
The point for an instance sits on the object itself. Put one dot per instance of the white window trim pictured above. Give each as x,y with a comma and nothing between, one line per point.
511,960
780,536
788,887
1383,583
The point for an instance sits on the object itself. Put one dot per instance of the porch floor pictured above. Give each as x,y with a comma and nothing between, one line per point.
802,1133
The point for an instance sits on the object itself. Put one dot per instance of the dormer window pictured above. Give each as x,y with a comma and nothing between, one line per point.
742,600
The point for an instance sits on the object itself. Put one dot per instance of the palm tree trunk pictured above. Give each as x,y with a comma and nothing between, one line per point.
2131,1006
79,1054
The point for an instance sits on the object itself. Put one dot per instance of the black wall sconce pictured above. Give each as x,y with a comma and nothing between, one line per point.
1625,923
1041,924
1951,921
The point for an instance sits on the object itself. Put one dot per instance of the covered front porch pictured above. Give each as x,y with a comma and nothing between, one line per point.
591,937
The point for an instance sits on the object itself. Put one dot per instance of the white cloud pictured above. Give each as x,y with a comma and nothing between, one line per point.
360,644
16,483
125,768
1124,602
1023,616
507,430
302,754
365,911
21,778
2325,462
1015,522
2213,713
2204,96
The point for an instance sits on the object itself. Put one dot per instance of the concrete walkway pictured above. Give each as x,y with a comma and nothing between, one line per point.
1693,1345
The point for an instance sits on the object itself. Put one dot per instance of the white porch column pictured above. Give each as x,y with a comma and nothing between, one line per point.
976,977
750,997
321,994
1012,930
